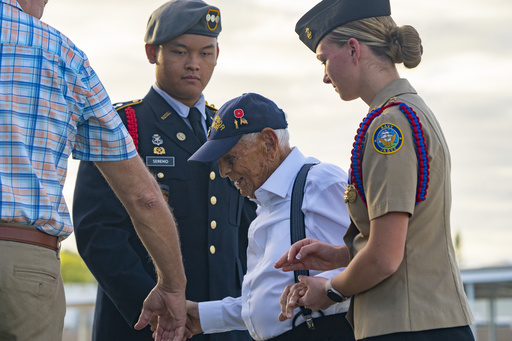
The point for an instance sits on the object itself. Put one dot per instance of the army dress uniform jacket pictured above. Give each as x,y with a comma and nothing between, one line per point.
212,219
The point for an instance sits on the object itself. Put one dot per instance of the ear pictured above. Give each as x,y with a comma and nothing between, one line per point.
354,48
151,52
271,142
218,50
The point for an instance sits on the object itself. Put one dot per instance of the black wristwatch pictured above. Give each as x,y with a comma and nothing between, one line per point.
334,294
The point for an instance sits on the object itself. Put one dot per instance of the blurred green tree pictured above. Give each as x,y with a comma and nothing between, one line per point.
73,268
457,242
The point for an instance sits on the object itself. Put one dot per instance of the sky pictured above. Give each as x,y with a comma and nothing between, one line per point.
464,78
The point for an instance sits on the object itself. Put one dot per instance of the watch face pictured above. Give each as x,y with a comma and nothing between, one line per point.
334,296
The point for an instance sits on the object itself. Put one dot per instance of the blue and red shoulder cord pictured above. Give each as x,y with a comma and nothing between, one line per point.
421,151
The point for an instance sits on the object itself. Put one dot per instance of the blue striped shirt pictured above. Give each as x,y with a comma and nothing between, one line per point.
52,105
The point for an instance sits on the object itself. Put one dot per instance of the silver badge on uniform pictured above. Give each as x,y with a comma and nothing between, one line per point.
157,140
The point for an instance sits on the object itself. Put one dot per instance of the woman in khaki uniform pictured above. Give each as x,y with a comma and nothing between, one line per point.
401,267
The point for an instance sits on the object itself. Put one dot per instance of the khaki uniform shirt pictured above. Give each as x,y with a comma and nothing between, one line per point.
426,292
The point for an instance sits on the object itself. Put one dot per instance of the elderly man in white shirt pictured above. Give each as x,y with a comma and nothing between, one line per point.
250,140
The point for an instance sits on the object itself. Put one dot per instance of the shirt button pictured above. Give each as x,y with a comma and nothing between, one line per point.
212,250
212,176
213,200
213,224
160,175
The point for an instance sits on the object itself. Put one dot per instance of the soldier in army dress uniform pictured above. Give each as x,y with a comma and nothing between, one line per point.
212,217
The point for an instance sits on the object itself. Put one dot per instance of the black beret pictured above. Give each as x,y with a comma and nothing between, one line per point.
178,17
329,14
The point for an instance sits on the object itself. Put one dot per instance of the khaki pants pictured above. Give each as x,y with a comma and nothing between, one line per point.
32,301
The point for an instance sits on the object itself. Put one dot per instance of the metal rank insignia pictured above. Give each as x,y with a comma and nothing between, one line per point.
350,193
157,140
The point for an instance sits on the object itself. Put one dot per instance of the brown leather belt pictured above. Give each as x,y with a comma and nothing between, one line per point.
16,233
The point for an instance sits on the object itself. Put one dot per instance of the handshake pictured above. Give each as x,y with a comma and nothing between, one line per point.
193,324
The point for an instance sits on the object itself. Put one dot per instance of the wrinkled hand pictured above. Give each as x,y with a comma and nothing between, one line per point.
309,292
309,254
171,310
289,300
193,320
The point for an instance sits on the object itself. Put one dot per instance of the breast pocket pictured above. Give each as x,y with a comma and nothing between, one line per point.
171,174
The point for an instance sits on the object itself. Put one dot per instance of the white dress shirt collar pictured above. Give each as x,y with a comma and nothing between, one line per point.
281,181
181,108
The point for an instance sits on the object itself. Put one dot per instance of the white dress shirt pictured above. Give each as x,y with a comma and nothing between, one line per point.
326,219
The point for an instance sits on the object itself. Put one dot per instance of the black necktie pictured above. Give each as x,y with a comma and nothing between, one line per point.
195,118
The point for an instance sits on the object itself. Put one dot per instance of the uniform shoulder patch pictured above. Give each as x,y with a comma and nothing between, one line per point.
122,105
387,138
211,107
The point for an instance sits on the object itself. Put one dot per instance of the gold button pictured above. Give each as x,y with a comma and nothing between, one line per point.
213,224
212,175
212,249
213,200
160,175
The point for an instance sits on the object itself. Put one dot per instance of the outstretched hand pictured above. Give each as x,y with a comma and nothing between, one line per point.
172,314
310,254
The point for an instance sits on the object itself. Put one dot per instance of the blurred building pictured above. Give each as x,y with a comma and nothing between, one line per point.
490,294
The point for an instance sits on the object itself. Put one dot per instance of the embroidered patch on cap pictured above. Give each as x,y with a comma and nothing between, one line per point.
387,139
218,124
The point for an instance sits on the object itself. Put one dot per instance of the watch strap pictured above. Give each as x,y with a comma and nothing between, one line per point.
329,291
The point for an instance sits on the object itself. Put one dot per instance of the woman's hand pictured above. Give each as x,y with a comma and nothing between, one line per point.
311,254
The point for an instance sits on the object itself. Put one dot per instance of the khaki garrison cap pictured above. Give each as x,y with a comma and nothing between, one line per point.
178,17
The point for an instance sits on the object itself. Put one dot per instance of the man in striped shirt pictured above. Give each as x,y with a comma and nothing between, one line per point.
53,105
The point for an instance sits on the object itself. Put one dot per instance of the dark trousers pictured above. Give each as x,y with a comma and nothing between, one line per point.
445,334
327,328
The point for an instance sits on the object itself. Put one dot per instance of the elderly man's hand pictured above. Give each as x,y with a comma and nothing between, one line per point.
193,320
309,292
290,300
172,314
